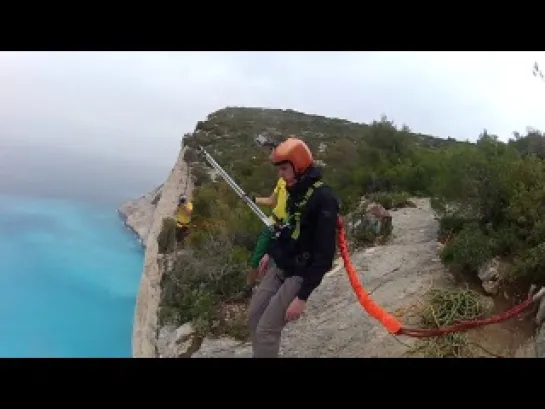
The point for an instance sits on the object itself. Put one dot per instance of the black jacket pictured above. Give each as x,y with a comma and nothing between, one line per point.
312,254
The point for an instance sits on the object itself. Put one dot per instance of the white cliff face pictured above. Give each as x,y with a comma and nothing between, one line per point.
138,214
145,216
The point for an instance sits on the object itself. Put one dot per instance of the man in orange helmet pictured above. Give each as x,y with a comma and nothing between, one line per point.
295,261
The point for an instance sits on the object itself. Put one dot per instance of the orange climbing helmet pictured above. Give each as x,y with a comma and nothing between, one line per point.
295,151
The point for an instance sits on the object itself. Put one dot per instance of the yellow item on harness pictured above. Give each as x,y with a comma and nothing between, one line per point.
279,211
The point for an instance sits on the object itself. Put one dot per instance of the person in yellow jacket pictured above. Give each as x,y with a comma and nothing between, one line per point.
183,218
277,200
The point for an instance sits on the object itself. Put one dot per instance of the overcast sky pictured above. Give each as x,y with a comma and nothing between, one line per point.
137,105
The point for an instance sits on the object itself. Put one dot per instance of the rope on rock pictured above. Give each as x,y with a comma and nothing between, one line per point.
393,325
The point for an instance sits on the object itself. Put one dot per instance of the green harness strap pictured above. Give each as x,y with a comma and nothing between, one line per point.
296,217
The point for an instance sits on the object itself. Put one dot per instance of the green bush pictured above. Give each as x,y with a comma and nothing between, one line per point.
529,266
201,281
452,224
191,155
501,190
468,250
200,175
166,240
213,267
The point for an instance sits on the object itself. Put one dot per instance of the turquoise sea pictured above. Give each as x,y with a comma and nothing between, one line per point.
69,270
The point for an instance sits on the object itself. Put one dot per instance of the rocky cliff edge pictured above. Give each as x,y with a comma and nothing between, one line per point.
144,216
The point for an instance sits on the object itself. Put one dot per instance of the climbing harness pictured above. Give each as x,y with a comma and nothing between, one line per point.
299,206
389,322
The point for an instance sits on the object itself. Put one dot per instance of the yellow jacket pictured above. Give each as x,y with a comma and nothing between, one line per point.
181,217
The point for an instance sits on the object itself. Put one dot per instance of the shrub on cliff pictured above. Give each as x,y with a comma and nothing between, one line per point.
200,175
166,240
468,250
212,268
202,279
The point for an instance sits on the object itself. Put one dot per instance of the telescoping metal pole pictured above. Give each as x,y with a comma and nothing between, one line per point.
259,213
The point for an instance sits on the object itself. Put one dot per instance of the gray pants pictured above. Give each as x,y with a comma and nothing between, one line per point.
266,315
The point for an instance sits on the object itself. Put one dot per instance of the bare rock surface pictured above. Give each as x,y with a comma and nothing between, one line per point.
175,342
540,342
489,274
223,348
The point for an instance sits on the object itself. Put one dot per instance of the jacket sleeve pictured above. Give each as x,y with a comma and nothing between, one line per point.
324,243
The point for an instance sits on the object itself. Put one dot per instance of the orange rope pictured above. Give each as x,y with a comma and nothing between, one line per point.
387,320
391,323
